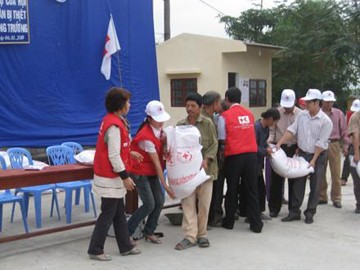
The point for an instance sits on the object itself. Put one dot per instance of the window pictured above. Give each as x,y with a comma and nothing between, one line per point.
180,88
257,91
231,79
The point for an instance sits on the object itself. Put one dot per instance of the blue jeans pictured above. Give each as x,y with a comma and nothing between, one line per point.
152,197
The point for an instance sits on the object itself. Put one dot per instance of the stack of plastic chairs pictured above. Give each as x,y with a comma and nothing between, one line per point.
16,156
61,155
8,197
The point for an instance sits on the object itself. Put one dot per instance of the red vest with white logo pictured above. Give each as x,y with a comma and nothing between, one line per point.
146,167
102,165
240,131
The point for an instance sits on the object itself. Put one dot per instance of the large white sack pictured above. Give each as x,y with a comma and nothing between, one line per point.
36,163
85,157
289,167
184,160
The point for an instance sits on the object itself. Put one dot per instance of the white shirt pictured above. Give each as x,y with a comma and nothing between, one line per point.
147,145
311,131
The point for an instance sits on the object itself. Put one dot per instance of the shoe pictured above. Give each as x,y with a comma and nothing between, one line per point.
101,257
152,239
357,211
227,226
343,182
273,214
322,202
215,224
134,251
256,228
337,204
309,219
291,217
265,217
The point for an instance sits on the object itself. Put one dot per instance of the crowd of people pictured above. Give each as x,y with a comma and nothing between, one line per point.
235,147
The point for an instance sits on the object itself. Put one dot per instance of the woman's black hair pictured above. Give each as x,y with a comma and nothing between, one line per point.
271,113
116,99
146,121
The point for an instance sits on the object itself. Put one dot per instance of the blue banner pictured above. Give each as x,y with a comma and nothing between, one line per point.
14,22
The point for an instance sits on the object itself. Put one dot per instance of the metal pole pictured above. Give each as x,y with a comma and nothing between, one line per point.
166,19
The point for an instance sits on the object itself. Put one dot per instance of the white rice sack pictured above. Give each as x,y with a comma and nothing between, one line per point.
289,167
184,160
5,155
86,157
36,163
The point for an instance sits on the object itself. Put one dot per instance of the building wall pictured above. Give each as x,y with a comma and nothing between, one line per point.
193,56
253,64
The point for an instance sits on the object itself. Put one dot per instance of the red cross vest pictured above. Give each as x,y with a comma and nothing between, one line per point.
102,165
240,131
146,167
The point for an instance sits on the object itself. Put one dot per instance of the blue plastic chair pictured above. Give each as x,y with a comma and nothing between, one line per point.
8,197
61,155
77,148
16,156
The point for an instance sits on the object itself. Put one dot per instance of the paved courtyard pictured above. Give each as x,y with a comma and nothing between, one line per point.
331,242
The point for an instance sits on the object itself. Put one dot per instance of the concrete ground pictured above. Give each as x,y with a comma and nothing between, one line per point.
331,242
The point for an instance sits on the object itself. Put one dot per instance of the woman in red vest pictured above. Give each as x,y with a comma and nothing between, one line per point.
149,171
111,179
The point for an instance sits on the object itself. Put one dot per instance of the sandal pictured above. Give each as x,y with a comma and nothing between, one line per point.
184,244
203,242
153,239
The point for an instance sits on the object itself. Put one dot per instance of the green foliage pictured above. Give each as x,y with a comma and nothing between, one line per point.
321,41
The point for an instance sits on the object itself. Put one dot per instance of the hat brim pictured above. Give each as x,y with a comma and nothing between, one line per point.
354,109
163,117
311,98
287,104
329,99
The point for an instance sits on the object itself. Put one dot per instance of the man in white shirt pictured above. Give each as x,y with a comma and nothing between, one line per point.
313,128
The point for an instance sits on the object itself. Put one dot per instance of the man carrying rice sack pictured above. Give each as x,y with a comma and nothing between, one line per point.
196,205
313,128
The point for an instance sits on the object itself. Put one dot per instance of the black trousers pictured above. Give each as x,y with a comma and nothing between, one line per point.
216,211
346,165
261,194
277,184
299,185
112,212
244,167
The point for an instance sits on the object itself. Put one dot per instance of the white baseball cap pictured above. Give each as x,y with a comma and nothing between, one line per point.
312,94
328,96
287,98
355,106
156,110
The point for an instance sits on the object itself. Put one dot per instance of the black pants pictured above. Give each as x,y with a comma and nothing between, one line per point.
112,212
277,184
216,211
346,165
261,194
299,185
244,167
